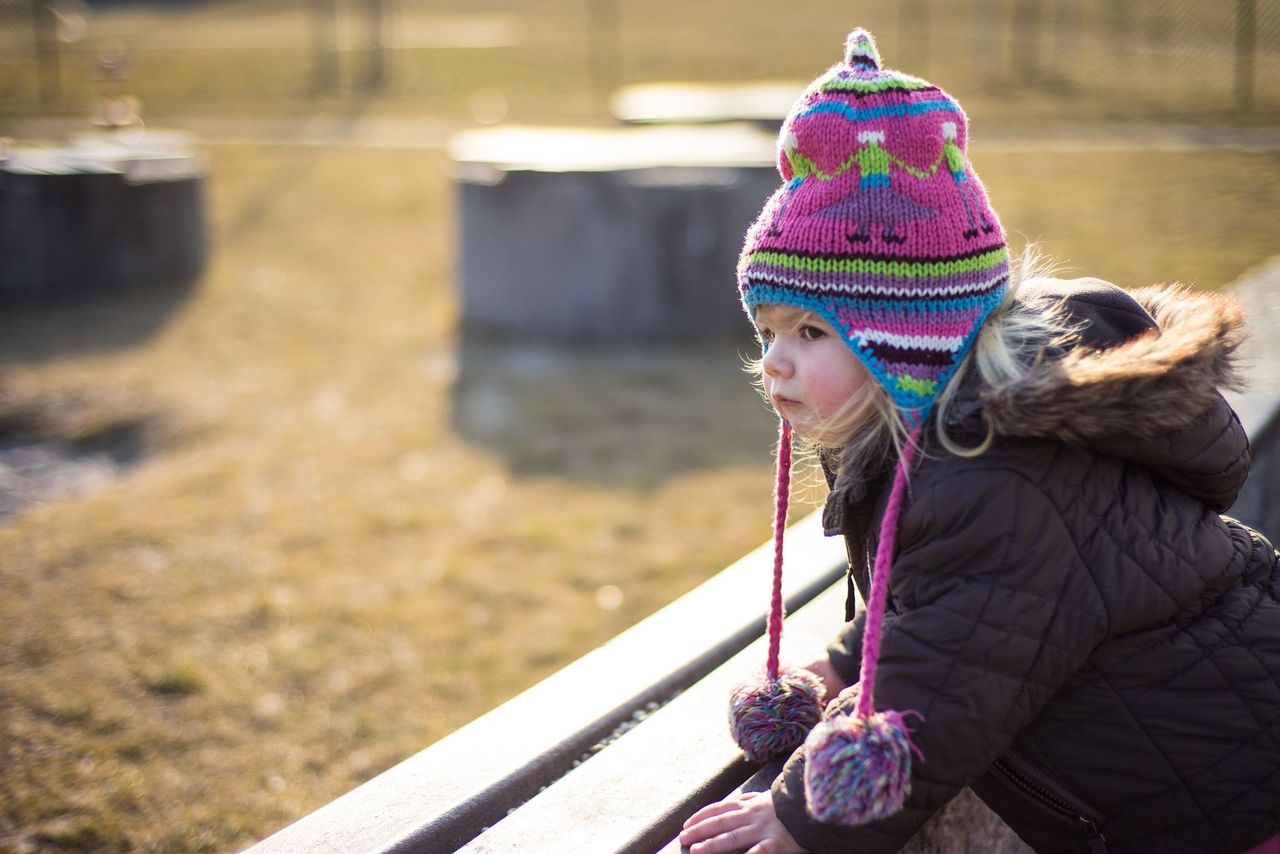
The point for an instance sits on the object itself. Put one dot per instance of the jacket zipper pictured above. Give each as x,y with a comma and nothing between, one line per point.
1043,788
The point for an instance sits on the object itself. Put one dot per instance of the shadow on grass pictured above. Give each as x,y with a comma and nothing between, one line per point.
50,449
629,417
36,333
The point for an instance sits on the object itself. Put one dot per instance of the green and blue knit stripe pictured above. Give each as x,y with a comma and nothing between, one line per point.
888,111
905,269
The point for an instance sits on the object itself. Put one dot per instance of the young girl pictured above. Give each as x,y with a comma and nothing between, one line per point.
1028,474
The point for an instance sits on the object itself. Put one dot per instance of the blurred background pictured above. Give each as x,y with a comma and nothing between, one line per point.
271,520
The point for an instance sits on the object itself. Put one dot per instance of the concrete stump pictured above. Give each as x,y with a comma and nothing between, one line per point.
96,216
607,235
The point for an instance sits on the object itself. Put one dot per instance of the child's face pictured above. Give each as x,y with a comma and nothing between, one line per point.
809,372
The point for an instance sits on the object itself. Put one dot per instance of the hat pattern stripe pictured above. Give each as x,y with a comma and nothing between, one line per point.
991,258
876,80
949,343
817,255
887,287
888,355
918,373
887,326
885,302
824,304
858,90
888,111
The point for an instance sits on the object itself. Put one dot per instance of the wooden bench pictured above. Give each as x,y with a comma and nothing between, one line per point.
660,688
613,752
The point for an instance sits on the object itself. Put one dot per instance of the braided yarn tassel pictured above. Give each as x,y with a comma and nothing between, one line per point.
858,767
770,716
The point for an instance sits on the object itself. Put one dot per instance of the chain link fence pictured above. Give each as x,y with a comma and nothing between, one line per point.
1076,59
1139,55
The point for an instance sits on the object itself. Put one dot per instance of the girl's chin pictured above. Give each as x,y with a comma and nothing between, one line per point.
801,429
805,425
813,433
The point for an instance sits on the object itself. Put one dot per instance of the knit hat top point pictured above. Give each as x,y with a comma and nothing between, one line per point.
881,226
860,50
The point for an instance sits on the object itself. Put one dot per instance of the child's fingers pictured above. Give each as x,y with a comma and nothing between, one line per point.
719,838
710,811
745,822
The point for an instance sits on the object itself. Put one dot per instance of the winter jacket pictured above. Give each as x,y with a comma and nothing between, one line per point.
1093,649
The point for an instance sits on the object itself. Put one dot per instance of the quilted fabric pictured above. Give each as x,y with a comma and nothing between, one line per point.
1072,602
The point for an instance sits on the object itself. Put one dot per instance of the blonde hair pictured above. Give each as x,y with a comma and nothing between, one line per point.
1012,341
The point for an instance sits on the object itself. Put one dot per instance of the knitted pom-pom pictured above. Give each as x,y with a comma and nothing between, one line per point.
770,718
860,50
857,769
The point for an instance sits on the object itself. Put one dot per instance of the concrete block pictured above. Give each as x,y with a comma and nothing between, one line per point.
635,239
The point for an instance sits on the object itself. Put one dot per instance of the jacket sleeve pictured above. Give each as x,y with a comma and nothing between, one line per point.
845,652
996,610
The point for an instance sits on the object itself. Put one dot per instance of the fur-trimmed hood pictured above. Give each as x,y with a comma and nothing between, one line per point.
1143,383
1149,362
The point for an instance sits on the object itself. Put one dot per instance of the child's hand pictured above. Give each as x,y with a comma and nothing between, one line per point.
830,679
743,822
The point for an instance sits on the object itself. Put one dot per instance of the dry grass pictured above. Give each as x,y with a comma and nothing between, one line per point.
332,554
348,535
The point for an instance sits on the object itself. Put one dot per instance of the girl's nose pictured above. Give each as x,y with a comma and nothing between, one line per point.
776,362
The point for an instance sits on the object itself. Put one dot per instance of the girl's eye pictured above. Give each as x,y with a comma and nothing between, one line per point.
811,333
766,335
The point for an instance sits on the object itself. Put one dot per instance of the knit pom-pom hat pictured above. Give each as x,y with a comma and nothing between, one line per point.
881,228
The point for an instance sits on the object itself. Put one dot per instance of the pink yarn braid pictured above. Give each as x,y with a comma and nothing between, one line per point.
880,579
779,527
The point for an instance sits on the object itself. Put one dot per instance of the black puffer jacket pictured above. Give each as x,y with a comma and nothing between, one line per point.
1094,650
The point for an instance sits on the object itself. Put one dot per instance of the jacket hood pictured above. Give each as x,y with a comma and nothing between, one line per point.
1148,363
1142,384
